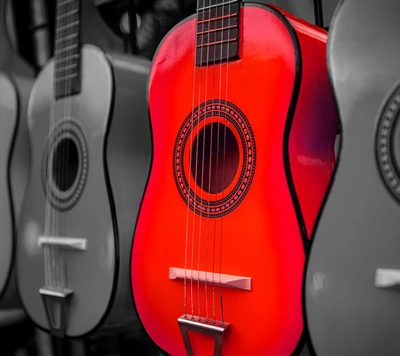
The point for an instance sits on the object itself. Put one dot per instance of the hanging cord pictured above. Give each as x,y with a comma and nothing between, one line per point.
318,13
131,6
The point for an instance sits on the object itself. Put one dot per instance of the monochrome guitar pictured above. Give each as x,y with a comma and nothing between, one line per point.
90,145
243,123
16,79
351,287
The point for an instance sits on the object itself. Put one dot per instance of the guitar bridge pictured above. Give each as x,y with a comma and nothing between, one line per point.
212,328
223,280
71,243
55,304
55,298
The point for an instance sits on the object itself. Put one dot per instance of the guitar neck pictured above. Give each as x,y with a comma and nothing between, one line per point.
217,31
67,50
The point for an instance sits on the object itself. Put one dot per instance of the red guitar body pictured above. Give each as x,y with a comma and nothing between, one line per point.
279,114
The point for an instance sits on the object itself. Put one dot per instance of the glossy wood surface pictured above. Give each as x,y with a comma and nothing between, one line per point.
263,237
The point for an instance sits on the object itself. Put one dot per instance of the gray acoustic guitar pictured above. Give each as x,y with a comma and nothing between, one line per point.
91,147
16,78
352,281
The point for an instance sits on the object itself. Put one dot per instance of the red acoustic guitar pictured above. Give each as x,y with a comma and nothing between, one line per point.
244,124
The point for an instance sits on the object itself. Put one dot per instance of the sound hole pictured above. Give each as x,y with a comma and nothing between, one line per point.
65,164
395,145
216,144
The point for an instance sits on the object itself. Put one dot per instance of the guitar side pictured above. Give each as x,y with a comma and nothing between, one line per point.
347,312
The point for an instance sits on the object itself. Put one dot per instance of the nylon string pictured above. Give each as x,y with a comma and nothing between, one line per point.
190,164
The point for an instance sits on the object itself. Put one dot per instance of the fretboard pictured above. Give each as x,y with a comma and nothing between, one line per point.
67,53
217,31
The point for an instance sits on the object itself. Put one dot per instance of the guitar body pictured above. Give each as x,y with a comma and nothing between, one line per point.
351,304
114,153
281,165
16,79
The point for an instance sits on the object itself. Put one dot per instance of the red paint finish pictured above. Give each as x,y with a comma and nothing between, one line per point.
314,128
261,237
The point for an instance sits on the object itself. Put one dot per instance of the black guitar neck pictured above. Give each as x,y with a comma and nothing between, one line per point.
67,49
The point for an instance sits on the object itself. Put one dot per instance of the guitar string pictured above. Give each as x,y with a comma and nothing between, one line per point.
189,181
68,116
52,178
209,168
210,158
54,109
60,150
62,144
224,158
199,109
204,126
76,62
53,159
210,173
55,176
217,160
61,158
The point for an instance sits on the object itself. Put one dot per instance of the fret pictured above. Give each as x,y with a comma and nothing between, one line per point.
217,42
66,49
64,77
66,68
66,2
67,58
216,54
67,76
67,24
66,72
217,31
66,31
66,27
209,38
226,21
216,5
218,12
67,38
67,14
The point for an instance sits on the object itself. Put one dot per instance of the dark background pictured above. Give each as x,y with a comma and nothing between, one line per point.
34,20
